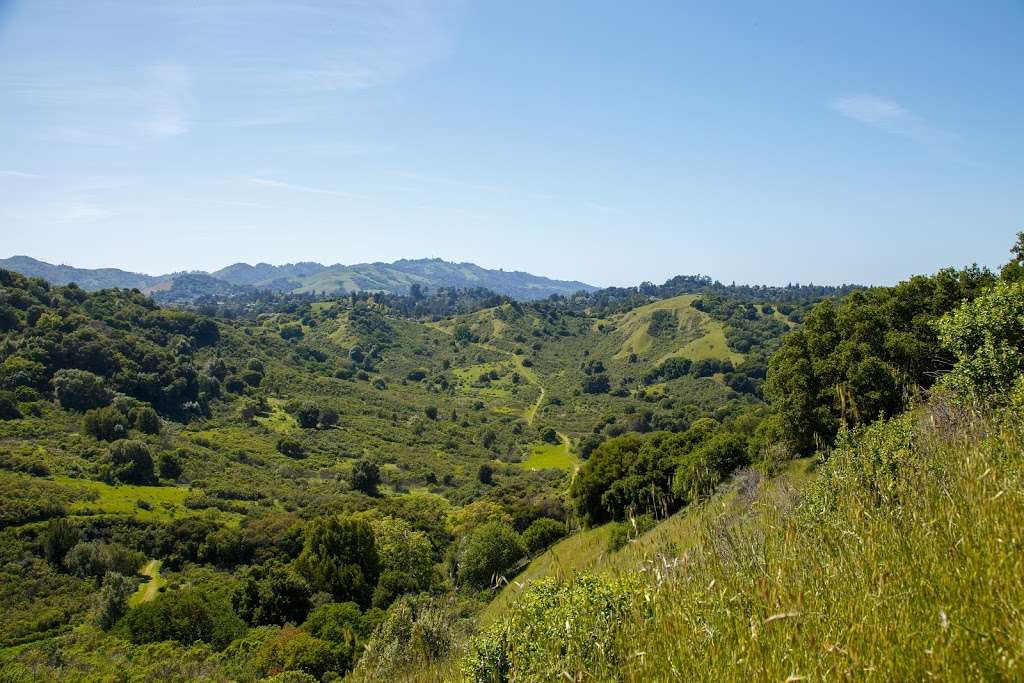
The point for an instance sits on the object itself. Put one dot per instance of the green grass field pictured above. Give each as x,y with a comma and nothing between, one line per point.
166,502
634,324
711,344
697,335
278,420
551,456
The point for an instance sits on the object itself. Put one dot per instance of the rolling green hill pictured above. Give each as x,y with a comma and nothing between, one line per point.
181,489
90,279
398,278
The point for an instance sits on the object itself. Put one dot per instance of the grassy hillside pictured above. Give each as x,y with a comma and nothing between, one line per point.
885,568
589,550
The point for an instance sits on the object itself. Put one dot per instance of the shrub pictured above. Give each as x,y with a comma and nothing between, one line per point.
290,447
491,550
589,444
93,559
26,395
112,599
706,466
307,414
596,384
625,531
291,331
59,537
365,477
417,632
187,616
17,372
169,465
226,547
554,626
328,417
339,557
271,594
294,649
392,585
662,322
8,408
131,463
987,338
146,420
340,623
403,549
542,533
105,424
80,390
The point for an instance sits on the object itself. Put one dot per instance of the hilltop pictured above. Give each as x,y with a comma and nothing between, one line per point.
399,277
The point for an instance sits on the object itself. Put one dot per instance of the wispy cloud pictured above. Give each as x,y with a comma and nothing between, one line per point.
62,212
81,136
891,117
230,76
166,95
281,185
81,212
20,175
374,42
433,179
281,117
103,108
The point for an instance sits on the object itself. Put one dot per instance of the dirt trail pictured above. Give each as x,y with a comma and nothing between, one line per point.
148,590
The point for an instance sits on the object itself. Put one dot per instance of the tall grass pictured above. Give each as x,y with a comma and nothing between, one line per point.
901,561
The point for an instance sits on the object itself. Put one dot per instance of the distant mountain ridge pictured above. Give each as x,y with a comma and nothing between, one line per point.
303,277
87,278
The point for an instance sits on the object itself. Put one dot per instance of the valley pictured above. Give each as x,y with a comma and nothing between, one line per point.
204,480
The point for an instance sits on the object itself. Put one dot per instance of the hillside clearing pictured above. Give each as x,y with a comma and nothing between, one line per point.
552,456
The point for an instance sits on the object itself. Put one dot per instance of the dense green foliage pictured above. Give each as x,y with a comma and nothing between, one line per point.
655,473
490,551
186,616
987,338
866,357
339,557
307,486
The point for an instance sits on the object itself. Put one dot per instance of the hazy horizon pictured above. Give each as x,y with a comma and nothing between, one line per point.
507,269
580,141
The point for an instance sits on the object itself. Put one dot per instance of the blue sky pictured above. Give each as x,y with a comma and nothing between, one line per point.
608,142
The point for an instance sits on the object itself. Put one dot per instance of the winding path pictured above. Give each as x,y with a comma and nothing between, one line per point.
148,590
530,413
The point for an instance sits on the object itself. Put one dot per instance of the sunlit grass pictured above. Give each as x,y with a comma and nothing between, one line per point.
278,420
551,456
165,502
901,560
